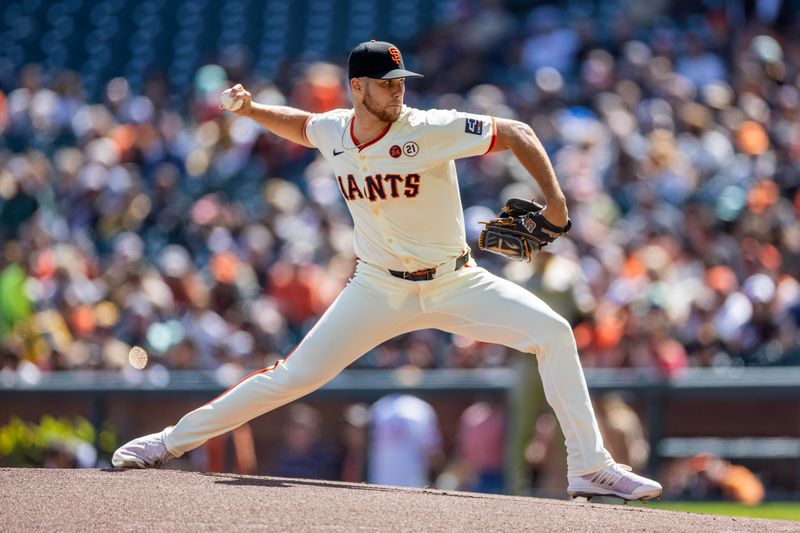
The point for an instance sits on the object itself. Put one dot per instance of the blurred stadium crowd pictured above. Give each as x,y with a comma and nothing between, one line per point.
136,218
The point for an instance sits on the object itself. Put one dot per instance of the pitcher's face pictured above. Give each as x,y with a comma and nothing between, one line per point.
383,98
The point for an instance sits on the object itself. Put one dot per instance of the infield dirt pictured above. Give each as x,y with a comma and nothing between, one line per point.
171,500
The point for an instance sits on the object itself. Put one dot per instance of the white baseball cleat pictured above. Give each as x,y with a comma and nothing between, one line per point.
145,452
615,480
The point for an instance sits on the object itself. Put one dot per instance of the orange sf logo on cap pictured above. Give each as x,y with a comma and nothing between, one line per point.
394,53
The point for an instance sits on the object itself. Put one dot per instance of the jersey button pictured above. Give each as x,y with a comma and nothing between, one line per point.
389,241
363,169
361,157
376,211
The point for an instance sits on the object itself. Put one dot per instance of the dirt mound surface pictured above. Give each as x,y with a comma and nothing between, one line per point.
171,500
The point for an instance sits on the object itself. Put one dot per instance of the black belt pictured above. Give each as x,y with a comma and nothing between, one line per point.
426,274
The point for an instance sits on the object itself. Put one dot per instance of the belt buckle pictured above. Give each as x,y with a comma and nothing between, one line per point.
426,272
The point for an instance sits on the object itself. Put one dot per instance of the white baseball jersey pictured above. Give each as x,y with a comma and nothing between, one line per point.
404,433
401,187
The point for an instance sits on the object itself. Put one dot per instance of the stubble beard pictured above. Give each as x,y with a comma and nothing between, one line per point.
387,114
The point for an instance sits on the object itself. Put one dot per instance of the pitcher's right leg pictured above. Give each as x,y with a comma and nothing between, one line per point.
356,322
365,314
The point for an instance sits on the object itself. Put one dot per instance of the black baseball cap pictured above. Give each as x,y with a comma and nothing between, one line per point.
379,60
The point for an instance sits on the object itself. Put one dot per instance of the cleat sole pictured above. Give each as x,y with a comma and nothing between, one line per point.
585,497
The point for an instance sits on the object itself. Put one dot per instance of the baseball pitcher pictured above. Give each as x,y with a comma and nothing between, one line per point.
394,166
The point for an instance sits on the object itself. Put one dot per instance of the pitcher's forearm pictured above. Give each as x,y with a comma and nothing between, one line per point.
284,121
526,147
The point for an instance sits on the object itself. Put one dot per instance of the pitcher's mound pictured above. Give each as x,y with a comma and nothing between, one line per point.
171,500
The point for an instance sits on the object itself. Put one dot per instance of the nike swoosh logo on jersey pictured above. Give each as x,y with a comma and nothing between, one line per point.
335,153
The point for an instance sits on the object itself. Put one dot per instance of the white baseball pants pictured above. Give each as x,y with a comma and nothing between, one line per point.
374,307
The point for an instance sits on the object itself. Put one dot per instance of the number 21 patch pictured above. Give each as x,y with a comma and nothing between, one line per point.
473,126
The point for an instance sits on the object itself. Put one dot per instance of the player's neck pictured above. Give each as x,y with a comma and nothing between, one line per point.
367,126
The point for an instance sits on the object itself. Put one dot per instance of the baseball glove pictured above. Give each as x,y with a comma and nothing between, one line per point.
519,231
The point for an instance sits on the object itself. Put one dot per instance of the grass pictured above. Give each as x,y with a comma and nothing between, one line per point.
776,510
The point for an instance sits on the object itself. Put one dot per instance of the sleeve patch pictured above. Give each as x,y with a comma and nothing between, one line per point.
473,126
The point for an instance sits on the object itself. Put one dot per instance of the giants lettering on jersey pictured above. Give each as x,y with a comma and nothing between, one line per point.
379,187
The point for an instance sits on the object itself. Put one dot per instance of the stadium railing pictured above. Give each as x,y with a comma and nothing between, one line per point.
654,395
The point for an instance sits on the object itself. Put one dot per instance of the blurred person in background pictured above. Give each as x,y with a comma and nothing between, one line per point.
708,477
405,443
479,446
354,436
544,460
622,430
303,453
234,452
70,453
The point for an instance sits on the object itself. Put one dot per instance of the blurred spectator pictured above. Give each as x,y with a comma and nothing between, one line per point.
622,430
700,65
15,306
480,445
70,453
405,444
295,286
303,454
551,42
232,452
711,478
544,456
354,435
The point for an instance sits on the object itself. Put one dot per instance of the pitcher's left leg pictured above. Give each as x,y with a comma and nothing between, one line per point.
479,305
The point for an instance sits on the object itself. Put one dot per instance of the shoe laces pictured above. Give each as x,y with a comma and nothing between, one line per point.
611,475
156,448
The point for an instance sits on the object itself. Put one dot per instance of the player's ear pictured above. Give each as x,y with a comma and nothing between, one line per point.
357,85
